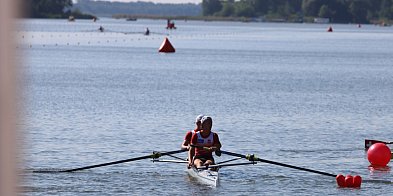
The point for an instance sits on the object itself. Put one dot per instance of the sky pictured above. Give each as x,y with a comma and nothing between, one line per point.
160,1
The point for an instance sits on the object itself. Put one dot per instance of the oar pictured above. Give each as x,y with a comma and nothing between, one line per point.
368,143
225,165
153,156
253,158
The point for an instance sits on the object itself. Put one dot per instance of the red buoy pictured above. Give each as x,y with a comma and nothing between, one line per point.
379,154
340,180
348,181
357,181
330,29
166,47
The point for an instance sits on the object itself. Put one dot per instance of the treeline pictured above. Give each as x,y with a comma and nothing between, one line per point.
338,11
107,8
51,9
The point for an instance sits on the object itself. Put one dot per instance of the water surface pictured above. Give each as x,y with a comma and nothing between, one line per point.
291,93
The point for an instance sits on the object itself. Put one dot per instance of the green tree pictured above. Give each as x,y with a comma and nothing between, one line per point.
243,8
261,6
228,8
285,9
358,9
210,7
325,12
48,8
339,11
311,7
386,9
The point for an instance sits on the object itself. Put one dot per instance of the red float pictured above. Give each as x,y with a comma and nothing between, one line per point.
348,181
340,179
379,154
357,181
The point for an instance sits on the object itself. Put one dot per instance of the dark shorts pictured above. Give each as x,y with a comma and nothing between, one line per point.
204,158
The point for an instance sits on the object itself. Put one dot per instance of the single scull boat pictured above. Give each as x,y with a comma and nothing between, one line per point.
208,175
204,175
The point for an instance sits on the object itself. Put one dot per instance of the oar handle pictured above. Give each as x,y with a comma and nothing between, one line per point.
217,152
201,147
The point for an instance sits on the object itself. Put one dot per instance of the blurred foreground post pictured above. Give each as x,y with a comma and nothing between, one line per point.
8,103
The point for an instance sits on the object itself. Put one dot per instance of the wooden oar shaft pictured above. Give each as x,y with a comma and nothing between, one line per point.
278,163
154,155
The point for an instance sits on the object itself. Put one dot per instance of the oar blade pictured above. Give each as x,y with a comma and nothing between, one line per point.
368,143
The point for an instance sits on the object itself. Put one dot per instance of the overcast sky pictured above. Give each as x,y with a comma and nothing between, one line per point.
161,1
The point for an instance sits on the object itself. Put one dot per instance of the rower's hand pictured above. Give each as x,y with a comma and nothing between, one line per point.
213,148
218,152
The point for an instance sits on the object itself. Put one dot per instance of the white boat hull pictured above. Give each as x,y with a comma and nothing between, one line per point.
204,176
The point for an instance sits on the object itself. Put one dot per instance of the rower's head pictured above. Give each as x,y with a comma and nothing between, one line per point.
207,123
198,119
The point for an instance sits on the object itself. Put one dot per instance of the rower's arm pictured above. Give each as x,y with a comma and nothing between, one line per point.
185,145
217,142
191,154
186,142
191,151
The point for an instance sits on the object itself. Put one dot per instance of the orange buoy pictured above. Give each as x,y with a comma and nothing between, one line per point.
330,29
166,47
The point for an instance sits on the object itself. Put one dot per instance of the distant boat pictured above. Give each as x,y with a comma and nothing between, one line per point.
71,18
170,24
131,19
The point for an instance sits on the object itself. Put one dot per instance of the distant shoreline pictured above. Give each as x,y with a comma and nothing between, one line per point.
132,17
202,18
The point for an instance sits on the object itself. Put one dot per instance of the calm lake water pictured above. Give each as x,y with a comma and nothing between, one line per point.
291,93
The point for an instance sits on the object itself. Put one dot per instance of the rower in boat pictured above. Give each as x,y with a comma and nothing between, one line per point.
204,143
187,140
